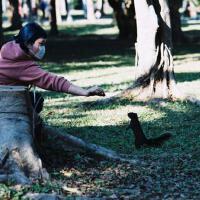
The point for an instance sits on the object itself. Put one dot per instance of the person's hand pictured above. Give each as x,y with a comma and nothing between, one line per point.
95,91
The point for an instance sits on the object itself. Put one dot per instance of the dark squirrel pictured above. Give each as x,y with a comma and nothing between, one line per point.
140,138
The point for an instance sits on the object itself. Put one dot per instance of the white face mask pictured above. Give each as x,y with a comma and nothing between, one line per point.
41,52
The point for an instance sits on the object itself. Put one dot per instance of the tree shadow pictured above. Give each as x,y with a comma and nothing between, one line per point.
82,30
81,50
177,156
190,76
178,118
193,34
183,49
99,62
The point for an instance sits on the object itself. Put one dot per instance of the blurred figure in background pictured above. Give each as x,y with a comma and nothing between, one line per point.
43,5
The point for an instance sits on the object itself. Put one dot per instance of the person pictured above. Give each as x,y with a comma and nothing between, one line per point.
18,66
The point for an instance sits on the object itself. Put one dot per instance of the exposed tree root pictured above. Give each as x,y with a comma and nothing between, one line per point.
72,142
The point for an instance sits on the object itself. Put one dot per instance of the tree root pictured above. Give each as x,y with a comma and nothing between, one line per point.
85,147
15,170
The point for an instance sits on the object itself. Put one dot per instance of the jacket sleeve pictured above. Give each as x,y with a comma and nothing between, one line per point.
34,75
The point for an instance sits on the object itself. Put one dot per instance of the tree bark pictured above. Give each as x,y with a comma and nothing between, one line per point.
16,22
54,27
19,162
58,14
155,71
88,7
125,16
177,33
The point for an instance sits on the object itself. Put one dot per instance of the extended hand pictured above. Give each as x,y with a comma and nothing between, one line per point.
95,91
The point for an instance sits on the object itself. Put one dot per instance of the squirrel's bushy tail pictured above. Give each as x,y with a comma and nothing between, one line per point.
158,140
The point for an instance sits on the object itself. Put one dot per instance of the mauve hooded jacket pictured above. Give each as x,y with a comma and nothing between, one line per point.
18,68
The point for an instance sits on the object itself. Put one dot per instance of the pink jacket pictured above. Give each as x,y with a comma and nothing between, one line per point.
18,68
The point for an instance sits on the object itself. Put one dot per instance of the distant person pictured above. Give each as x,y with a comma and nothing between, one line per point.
190,9
43,6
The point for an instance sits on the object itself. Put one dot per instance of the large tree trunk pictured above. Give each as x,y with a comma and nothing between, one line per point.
69,10
18,158
54,28
177,33
16,22
60,10
125,17
155,73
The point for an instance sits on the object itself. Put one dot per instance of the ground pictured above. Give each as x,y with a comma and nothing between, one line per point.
169,172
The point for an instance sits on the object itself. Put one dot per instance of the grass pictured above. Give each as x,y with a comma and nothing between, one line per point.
168,172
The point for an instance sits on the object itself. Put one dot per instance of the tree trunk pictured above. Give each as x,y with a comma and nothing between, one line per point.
90,10
155,73
125,17
30,11
54,28
16,22
88,7
69,11
58,14
177,33
19,162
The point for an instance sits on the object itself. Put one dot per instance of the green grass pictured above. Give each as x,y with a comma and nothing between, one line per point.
172,170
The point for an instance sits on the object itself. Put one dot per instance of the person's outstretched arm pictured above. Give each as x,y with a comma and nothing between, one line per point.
33,74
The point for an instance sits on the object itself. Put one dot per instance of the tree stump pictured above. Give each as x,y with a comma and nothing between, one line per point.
19,162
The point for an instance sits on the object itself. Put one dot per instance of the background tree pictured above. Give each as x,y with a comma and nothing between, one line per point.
177,33
125,16
16,22
53,20
88,6
155,73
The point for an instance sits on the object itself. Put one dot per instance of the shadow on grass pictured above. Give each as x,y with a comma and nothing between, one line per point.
186,49
99,62
190,76
194,33
180,119
83,29
80,50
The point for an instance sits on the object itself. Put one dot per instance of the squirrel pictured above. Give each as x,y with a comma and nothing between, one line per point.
140,138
